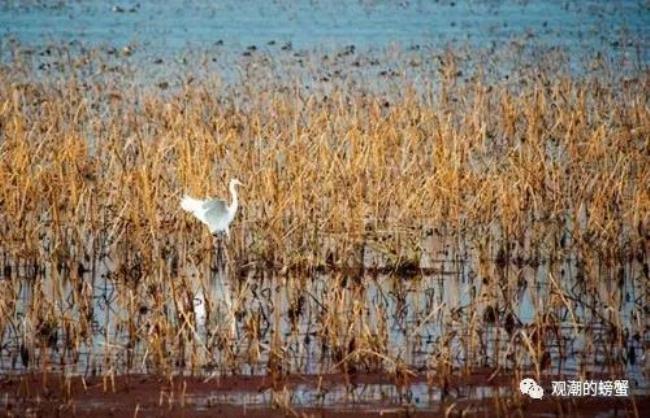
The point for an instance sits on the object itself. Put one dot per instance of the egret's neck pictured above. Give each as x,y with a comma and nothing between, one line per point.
233,194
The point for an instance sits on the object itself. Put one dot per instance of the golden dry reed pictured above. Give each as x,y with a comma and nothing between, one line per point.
552,167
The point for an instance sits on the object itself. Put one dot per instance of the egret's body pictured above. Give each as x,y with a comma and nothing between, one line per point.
215,213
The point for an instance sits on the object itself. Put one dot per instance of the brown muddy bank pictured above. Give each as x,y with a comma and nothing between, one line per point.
45,395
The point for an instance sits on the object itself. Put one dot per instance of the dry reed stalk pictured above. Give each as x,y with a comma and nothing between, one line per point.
549,176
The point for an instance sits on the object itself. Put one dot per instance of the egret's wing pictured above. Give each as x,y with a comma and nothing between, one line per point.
191,205
216,214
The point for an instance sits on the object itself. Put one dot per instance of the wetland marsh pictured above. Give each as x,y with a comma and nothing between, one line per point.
421,223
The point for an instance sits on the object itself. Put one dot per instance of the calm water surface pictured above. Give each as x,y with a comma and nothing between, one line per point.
161,28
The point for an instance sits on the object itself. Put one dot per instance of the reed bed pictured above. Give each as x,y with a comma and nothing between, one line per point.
360,205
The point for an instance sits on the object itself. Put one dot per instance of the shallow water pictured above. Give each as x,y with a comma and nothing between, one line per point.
172,26
445,309
153,37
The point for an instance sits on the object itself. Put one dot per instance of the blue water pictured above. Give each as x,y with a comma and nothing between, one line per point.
163,28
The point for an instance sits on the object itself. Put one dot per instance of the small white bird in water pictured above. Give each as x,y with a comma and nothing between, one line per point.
215,213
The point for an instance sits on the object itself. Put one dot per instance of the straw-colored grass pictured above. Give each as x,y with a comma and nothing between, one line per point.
506,176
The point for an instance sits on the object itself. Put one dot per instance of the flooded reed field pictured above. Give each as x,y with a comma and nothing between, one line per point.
437,201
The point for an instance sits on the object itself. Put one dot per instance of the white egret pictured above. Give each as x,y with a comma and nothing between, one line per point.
215,213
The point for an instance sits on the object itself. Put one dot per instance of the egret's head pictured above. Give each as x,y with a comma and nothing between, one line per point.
235,182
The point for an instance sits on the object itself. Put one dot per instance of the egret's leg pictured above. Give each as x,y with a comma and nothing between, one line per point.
229,302
221,251
222,291
225,247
